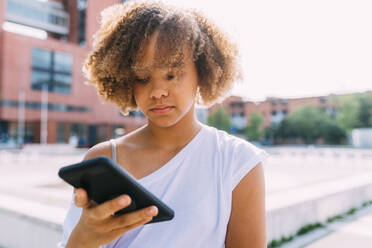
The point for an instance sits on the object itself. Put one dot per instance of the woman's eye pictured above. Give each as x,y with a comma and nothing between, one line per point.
141,80
170,76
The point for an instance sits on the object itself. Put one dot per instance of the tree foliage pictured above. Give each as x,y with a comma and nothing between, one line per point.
348,111
219,119
354,111
253,131
365,111
310,123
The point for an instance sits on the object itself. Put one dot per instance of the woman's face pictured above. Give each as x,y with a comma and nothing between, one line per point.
165,95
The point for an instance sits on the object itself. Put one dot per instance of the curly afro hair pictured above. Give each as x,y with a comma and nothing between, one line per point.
125,29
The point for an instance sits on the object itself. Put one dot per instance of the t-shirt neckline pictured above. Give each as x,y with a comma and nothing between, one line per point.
168,166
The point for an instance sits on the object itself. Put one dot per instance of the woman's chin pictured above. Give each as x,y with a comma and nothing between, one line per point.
166,120
163,123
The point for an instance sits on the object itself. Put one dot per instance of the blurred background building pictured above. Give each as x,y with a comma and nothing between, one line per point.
43,98
42,95
273,110
344,119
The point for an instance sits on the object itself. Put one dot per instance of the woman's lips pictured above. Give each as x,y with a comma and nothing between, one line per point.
162,110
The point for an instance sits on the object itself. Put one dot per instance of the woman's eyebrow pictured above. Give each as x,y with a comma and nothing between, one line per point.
148,69
141,69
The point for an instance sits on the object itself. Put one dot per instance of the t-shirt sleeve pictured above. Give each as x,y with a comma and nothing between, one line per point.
245,157
71,219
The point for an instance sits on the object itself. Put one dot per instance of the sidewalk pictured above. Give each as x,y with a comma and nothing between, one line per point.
354,231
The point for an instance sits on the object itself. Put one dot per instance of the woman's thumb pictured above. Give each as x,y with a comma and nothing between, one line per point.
81,199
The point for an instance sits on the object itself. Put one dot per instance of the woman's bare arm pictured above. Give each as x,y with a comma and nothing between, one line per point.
247,224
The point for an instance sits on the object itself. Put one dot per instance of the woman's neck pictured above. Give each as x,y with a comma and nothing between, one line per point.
176,136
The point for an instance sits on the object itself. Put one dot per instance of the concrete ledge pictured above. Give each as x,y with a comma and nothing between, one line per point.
38,225
315,203
352,229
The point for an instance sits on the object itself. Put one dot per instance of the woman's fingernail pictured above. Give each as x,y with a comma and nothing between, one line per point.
151,211
78,197
123,200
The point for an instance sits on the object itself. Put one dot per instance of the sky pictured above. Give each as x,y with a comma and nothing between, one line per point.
296,48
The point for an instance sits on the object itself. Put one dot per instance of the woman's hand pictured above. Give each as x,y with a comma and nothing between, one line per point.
97,225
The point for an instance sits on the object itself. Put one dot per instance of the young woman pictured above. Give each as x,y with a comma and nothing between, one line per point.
163,60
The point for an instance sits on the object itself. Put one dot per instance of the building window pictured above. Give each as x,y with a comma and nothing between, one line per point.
61,132
29,135
52,69
77,129
46,15
277,116
4,126
101,133
237,104
322,100
82,6
78,133
51,106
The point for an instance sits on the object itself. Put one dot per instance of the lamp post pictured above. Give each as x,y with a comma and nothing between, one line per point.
21,117
44,114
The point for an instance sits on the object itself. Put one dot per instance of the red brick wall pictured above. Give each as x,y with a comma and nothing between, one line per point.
226,105
2,11
93,17
52,132
2,17
74,18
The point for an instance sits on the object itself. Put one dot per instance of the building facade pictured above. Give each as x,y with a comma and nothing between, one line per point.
43,98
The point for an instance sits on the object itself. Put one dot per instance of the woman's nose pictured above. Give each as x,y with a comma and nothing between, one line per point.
159,90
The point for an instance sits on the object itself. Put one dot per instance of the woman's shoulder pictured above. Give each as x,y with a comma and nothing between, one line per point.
223,138
104,148
100,149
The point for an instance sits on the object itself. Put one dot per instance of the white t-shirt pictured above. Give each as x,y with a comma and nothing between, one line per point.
197,184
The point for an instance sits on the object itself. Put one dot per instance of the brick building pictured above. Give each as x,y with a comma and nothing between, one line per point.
42,47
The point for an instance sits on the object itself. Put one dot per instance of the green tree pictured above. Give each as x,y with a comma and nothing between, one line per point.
286,129
333,134
348,112
365,111
310,123
219,119
253,130
305,122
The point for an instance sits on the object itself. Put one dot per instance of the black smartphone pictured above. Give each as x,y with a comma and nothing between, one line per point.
104,180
